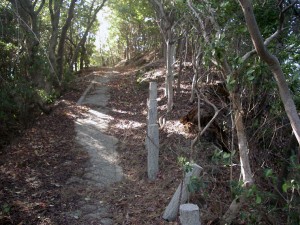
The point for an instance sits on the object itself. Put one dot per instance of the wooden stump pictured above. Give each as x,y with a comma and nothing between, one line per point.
189,214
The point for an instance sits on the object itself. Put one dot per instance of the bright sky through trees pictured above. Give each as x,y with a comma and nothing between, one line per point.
102,34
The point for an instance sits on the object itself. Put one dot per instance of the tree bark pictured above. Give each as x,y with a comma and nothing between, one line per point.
242,139
238,123
62,40
169,76
55,17
166,23
29,17
180,55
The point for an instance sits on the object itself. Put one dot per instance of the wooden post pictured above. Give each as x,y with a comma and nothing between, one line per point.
153,90
153,151
152,103
181,195
152,111
152,139
189,214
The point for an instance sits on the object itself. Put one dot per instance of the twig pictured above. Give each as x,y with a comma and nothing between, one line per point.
217,111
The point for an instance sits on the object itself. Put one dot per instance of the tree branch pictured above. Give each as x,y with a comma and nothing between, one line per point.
40,7
274,65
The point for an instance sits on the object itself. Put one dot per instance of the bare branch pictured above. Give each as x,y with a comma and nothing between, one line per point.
289,6
201,132
194,10
275,34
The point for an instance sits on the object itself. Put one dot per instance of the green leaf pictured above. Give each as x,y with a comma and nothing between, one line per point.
285,187
258,199
226,155
251,71
194,184
268,172
230,82
251,78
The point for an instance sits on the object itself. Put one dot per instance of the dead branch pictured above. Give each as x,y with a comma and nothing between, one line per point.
201,131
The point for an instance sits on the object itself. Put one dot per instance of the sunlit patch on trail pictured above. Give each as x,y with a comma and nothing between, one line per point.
128,124
175,127
99,114
123,112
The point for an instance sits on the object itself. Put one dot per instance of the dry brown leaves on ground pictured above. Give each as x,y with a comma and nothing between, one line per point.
137,200
35,167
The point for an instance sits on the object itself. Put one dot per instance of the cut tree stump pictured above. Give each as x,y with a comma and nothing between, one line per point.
189,214
182,192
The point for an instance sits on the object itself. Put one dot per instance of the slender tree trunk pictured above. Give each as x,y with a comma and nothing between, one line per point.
26,10
196,64
62,40
274,66
180,55
169,76
55,17
246,172
166,23
242,139
82,56
93,16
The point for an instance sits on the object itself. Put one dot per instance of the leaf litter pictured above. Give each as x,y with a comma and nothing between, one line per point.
35,167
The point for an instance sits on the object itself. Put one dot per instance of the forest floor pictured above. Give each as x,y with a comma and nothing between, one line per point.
36,167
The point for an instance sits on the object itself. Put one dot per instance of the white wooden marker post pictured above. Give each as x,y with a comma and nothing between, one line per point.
181,195
152,139
189,214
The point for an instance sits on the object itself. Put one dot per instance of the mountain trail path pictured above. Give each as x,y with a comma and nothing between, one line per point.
102,168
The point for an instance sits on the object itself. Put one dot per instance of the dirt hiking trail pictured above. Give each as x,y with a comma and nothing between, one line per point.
101,169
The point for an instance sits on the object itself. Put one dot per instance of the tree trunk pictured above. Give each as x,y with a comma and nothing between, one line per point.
246,172
196,62
81,61
274,66
180,55
166,24
55,17
62,40
169,76
242,139
26,10
93,16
